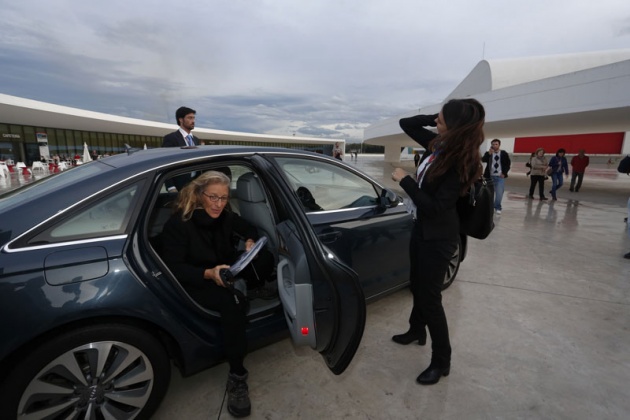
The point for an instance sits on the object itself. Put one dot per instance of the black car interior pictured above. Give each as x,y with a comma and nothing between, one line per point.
249,200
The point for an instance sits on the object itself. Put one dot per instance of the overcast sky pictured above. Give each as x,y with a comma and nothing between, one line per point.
313,68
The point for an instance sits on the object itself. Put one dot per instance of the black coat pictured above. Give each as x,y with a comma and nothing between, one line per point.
191,247
435,200
505,163
176,139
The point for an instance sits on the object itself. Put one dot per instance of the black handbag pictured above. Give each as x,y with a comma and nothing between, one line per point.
624,165
476,209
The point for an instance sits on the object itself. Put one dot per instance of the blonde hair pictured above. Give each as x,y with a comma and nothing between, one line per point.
191,195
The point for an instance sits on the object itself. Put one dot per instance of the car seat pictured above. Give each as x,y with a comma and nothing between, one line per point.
255,209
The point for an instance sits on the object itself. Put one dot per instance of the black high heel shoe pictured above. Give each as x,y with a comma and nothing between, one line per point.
411,336
432,375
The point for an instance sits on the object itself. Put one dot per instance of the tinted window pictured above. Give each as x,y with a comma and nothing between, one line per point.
325,186
107,216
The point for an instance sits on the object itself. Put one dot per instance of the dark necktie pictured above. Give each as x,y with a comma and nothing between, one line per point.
189,140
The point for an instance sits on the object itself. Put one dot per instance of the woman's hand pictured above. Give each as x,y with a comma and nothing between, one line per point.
213,274
398,174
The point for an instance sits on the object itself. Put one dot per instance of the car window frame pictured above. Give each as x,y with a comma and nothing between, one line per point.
312,207
25,241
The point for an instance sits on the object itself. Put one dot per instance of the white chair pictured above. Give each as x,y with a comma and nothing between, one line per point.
4,170
25,169
38,166
63,166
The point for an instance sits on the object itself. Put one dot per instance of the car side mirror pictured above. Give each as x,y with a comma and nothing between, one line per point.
388,198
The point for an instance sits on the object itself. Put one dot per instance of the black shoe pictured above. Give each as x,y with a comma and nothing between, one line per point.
410,337
530,196
543,198
627,256
432,375
576,190
238,395
571,189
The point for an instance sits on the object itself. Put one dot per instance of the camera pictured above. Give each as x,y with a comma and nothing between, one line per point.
227,278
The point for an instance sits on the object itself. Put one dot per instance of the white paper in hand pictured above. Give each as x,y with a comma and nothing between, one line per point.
247,256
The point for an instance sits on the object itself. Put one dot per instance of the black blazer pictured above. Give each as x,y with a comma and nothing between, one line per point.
435,200
505,163
175,139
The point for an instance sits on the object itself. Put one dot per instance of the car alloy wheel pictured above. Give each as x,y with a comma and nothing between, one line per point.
453,267
122,375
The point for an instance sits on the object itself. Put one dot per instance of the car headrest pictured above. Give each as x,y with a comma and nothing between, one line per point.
248,188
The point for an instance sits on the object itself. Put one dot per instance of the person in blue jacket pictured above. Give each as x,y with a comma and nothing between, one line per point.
559,166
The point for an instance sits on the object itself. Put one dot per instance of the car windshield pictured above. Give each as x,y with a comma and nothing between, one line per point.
57,182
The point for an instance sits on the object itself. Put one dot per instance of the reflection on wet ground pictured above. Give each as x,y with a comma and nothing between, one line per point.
15,180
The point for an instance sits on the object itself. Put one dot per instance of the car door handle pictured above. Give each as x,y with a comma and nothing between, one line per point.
329,237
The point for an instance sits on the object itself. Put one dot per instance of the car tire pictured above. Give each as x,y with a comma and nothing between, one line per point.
101,371
453,267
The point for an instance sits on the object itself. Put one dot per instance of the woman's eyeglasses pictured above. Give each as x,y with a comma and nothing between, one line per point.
215,198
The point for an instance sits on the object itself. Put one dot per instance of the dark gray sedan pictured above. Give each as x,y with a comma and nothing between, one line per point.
91,317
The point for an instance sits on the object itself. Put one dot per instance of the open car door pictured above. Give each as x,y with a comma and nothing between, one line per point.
323,302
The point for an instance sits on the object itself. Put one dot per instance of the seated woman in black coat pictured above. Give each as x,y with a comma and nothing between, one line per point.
200,239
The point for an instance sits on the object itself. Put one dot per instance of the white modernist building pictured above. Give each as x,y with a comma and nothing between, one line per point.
27,124
536,96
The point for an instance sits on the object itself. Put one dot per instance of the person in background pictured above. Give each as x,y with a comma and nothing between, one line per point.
498,165
416,159
538,170
183,137
338,152
559,166
449,166
578,167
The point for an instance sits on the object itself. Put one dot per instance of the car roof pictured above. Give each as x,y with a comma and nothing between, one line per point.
44,198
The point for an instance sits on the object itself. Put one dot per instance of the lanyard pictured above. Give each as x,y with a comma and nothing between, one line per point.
423,167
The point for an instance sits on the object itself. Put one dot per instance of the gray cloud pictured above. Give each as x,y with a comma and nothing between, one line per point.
316,68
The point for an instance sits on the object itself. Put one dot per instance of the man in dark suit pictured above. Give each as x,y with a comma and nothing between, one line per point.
181,138
185,118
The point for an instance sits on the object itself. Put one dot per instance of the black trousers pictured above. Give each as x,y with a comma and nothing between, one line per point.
540,180
259,271
233,320
429,265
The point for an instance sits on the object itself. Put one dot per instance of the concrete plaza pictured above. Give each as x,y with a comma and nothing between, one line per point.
539,319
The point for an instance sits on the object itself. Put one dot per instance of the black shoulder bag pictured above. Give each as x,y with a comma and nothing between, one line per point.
624,165
476,210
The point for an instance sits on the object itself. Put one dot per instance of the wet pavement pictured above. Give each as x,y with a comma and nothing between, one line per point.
539,319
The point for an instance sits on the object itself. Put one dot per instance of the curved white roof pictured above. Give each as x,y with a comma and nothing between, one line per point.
536,96
491,75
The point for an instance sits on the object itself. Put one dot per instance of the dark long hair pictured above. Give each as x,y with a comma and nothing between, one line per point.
459,146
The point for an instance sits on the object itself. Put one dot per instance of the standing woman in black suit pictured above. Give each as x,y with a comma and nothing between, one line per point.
449,166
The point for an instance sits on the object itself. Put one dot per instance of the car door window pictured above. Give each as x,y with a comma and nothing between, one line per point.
322,185
107,216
